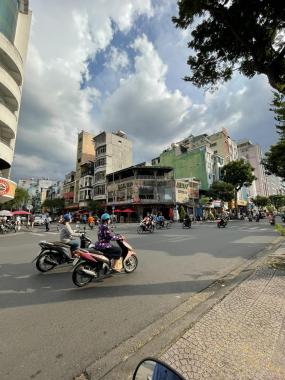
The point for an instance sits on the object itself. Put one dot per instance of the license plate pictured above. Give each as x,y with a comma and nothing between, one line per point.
75,261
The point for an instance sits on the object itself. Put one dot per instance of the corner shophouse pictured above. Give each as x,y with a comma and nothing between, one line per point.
149,189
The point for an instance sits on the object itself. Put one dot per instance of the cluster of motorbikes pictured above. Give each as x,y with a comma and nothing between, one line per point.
8,226
88,263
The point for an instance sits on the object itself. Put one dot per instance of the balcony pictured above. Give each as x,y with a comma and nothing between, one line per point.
8,123
11,58
9,90
7,154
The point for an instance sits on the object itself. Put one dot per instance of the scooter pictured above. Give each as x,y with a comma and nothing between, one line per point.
91,264
222,223
145,228
186,223
56,253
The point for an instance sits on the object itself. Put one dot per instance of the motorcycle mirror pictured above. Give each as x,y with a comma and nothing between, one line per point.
154,369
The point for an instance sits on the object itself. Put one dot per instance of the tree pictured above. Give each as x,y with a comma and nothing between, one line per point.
277,201
274,161
239,174
222,190
20,200
260,201
95,206
54,204
233,35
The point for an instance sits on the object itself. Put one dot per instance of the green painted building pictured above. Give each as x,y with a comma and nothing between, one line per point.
194,163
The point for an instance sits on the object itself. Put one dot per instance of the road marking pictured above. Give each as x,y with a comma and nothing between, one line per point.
255,240
37,234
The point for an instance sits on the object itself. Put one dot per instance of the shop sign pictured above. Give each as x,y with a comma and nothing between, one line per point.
7,188
4,186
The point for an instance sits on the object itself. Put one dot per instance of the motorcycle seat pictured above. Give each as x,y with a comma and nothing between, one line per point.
59,244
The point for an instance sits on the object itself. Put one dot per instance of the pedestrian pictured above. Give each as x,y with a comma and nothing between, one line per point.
18,223
32,221
90,222
47,221
84,219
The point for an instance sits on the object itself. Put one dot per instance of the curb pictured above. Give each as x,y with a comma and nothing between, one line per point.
156,338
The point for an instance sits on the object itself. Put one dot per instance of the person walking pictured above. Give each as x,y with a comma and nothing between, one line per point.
47,221
32,220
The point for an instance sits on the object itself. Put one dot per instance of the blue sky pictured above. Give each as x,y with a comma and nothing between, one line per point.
119,65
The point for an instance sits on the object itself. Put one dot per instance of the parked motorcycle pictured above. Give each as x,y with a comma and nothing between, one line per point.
143,227
91,264
222,223
3,229
56,253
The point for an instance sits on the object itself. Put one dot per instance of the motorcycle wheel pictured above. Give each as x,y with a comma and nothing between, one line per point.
151,229
43,266
78,277
218,225
131,264
140,230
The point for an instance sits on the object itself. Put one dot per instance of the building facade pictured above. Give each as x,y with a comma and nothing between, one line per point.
253,154
15,19
224,146
68,190
86,184
113,152
85,154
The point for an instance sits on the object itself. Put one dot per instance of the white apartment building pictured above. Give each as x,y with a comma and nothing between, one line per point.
253,154
15,19
113,152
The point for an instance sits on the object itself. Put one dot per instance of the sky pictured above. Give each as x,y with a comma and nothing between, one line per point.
113,65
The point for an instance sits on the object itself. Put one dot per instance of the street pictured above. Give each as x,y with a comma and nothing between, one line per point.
52,330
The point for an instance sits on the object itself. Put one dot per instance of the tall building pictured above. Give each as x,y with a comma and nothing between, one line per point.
15,19
253,154
85,154
192,160
113,152
223,145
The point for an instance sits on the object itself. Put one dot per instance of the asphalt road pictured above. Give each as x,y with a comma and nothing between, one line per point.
50,329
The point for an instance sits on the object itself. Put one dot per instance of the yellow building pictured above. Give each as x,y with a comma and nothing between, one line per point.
224,146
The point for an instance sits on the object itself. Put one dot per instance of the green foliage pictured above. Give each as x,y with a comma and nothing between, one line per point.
274,161
238,173
229,35
222,190
260,201
280,229
20,200
277,201
204,201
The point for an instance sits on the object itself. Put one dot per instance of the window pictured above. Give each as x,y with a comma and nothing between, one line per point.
213,144
100,162
101,150
100,176
99,190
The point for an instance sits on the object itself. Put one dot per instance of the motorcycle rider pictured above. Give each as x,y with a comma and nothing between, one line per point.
67,234
187,220
224,218
105,235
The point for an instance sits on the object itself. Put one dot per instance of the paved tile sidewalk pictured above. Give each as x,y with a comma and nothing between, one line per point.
242,337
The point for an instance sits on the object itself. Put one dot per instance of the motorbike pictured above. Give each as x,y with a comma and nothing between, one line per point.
186,223
56,253
91,264
222,223
150,368
272,221
162,224
143,227
3,229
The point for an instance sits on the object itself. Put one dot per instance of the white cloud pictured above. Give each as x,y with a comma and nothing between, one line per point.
117,59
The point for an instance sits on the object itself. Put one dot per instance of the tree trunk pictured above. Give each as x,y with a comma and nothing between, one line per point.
236,205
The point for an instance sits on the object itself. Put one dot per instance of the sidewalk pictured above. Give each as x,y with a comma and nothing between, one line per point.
243,336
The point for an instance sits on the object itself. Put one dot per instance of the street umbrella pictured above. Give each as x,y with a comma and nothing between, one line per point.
128,210
6,213
117,210
21,212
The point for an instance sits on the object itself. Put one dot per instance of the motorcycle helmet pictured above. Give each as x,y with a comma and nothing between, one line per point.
66,218
105,217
